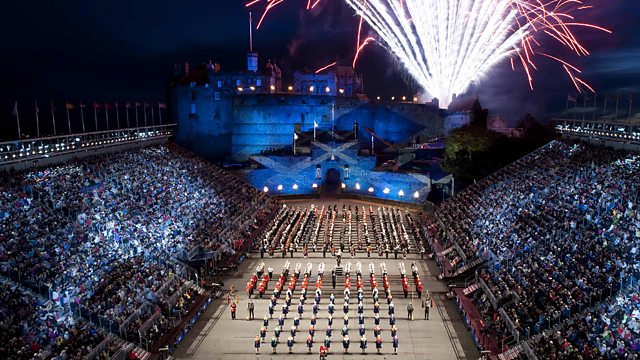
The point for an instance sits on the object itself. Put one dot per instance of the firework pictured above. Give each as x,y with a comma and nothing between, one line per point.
446,45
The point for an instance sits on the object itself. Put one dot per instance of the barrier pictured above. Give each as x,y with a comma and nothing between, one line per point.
100,347
488,292
510,325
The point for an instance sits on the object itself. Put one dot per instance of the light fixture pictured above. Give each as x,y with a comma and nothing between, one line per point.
357,186
393,98
279,187
404,98
371,189
416,194
386,191
341,91
344,185
265,189
415,99
290,88
378,98
295,186
327,89
273,88
252,88
401,193
315,186
311,88
240,89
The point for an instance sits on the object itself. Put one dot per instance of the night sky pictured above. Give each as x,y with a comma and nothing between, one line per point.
125,50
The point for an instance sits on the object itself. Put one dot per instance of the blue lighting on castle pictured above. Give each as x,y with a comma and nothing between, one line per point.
311,134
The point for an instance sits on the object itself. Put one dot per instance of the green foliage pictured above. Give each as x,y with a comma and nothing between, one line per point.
473,152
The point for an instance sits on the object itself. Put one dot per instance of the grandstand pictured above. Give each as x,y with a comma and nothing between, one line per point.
121,249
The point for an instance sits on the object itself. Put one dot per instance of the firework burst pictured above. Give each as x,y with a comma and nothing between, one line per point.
446,45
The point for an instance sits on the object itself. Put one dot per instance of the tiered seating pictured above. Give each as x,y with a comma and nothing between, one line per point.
558,227
102,235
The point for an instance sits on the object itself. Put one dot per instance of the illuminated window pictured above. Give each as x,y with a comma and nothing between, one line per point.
258,82
217,96
219,83
193,108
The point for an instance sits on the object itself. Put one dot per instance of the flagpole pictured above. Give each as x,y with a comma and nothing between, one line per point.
153,120
617,101
136,107
630,106
17,114
144,109
126,112
584,106
53,119
604,112
117,116
37,120
160,113
595,102
82,116
106,113
95,115
66,105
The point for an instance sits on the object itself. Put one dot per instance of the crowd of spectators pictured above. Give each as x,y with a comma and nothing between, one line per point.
560,229
611,331
99,235
31,329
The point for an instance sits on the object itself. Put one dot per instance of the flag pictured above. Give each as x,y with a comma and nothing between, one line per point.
36,111
96,105
69,106
127,105
162,106
315,124
15,109
138,104
82,106
295,136
117,105
572,98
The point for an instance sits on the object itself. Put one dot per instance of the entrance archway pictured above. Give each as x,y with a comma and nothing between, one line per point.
332,181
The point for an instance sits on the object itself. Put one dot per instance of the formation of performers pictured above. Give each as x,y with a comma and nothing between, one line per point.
348,319
356,229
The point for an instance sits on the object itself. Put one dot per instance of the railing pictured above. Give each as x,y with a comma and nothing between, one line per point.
487,291
526,348
16,151
171,301
144,329
133,317
123,352
100,347
95,318
510,325
163,289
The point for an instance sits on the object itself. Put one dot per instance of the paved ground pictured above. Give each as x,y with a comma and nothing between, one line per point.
217,336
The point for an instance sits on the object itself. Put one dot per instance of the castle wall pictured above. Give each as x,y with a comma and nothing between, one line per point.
221,124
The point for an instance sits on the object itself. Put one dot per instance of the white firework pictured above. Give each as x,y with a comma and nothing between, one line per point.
445,45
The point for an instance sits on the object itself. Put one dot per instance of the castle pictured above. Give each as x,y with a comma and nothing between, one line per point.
253,115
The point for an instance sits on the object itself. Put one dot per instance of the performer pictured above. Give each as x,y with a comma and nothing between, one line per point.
345,343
